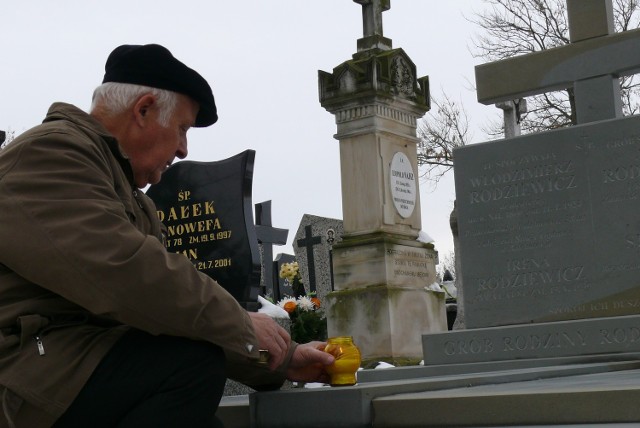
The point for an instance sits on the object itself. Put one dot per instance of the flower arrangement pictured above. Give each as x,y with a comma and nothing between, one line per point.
291,273
308,322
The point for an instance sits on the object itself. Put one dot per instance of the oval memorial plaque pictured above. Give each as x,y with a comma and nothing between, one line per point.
403,184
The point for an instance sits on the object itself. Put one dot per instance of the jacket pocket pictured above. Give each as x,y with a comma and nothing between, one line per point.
30,327
34,327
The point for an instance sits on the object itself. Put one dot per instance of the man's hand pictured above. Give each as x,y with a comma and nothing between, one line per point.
271,337
309,362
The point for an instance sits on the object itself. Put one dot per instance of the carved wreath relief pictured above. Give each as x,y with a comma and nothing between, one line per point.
401,77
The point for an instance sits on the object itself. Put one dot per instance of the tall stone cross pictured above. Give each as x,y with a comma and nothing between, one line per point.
372,24
268,236
591,64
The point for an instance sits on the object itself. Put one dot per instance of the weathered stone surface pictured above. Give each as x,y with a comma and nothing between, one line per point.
316,237
596,336
548,225
387,322
381,259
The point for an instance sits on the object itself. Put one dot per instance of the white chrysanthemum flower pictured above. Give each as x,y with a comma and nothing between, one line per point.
284,301
305,303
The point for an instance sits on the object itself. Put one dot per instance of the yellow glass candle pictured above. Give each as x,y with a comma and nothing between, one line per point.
347,355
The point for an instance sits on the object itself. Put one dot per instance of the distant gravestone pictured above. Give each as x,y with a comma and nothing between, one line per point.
283,285
313,245
207,210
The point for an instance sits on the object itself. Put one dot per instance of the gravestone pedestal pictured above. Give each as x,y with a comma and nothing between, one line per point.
381,297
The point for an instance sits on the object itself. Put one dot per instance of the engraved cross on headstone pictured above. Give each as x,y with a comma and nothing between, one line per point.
591,64
309,241
267,236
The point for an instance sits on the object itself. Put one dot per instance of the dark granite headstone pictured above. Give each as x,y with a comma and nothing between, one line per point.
207,209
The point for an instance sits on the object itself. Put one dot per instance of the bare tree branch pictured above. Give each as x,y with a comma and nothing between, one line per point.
516,27
511,28
439,133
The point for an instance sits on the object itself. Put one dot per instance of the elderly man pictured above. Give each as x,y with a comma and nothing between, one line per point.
100,326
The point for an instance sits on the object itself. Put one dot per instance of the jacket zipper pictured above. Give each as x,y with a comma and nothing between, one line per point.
40,345
135,196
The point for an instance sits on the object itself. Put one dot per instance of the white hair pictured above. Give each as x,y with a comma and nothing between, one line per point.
115,98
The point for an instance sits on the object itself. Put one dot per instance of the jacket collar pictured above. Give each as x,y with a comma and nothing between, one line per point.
64,111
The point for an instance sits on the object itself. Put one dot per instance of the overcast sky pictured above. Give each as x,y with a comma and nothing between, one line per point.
262,60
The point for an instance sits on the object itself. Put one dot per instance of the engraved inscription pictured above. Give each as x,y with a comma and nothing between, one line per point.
548,225
523,182
622,183
530,277
515,343
191,223
411,263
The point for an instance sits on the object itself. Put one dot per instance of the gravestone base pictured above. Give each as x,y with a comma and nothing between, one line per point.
381,297
385,322
583,338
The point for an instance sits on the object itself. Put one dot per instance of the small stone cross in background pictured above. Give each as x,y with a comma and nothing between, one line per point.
512,111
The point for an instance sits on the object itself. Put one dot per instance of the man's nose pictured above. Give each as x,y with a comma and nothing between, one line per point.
182,151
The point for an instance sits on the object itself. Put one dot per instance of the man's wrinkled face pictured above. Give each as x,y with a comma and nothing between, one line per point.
160,145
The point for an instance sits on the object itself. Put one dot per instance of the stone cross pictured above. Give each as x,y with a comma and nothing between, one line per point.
372,25
267,236
591,64
372,16
512,111
309,241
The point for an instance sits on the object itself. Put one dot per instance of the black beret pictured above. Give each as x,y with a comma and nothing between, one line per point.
154,66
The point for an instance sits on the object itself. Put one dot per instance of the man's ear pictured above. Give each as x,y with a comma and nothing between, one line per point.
142,108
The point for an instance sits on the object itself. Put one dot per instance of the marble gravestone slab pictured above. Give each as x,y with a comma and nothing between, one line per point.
312,246
207,209
549,225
